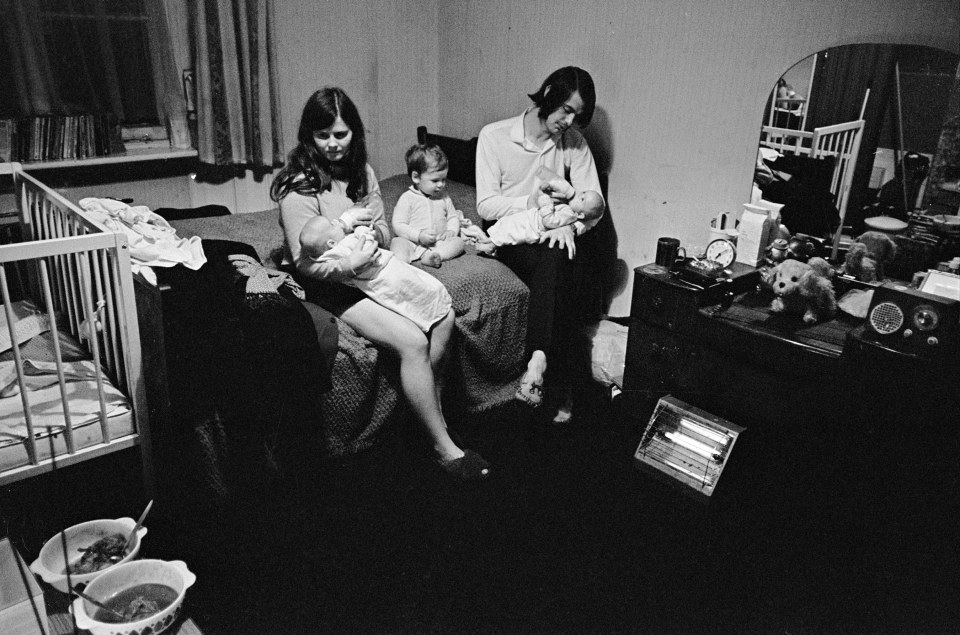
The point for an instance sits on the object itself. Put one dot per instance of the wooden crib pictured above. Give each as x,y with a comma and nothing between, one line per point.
72,379
840,141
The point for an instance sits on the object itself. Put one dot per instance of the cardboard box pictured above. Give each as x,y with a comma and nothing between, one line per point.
22,607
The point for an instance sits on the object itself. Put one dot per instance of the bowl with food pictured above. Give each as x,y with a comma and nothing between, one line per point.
91,548
140,596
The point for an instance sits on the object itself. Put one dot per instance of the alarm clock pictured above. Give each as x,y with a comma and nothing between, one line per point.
721,251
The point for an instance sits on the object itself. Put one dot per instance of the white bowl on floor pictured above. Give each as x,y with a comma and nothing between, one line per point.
124,577
51,566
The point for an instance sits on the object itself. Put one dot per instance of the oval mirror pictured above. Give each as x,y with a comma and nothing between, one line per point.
862,132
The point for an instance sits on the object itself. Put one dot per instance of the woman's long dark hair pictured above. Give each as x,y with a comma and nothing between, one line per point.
557,88
307,170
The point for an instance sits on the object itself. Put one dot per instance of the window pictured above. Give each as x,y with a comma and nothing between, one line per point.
93,58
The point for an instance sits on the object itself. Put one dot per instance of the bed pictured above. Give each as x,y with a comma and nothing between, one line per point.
71,376
836,146
490,304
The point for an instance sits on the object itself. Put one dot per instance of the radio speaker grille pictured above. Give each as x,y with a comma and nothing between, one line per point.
886,318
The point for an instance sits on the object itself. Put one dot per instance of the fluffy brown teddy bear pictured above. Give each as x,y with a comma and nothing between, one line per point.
868,255
803,287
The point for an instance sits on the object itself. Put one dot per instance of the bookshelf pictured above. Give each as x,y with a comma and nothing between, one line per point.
52,142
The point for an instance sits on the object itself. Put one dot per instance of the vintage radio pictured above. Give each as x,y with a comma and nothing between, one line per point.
913,321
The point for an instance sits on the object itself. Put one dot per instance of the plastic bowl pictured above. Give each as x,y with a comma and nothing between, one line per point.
120,577
947,224
886,224
50,565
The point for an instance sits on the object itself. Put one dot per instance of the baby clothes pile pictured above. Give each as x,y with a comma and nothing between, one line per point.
153,242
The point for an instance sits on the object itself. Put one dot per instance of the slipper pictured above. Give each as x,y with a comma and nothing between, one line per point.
469,467
530,393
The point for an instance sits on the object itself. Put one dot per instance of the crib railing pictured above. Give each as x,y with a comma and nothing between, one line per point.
839,141
77,272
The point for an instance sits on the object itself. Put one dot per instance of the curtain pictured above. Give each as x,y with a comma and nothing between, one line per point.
238,123
946,162
162,30
32,90
64,57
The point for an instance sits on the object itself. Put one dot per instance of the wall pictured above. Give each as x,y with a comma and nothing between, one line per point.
383,53
681,88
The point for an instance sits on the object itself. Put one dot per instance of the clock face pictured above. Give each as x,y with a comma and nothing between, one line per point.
721,251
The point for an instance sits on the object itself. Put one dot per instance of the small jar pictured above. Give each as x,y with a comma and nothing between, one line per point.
778,250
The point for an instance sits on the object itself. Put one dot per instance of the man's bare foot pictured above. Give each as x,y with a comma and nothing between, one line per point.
431,258
565,411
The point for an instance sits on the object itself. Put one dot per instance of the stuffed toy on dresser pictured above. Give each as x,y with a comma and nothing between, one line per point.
803,288
868,255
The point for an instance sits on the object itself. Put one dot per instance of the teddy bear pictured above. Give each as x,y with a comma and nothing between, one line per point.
867,256
803,287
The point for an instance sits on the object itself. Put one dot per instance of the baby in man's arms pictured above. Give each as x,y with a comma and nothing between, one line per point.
528,226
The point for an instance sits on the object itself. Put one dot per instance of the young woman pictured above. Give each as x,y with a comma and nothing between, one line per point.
509,154
327,175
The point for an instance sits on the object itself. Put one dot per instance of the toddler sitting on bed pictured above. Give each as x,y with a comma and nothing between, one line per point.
390,282
425,221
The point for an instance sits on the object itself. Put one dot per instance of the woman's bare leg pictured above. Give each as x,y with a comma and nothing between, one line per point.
439,348
393,332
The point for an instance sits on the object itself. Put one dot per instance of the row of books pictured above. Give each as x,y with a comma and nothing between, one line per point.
54,137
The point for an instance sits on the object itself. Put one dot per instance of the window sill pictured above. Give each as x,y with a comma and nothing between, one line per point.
129,156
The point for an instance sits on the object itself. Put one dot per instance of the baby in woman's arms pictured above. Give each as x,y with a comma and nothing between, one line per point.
407,290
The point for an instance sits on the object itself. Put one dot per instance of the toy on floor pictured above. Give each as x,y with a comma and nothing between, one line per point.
868,255
803,287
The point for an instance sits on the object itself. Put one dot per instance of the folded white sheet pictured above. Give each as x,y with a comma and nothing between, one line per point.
45,399
28,321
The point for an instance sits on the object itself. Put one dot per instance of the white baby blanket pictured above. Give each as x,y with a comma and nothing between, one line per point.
153,242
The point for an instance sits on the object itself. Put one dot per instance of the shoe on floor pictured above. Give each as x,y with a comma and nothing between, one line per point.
530,393
469,467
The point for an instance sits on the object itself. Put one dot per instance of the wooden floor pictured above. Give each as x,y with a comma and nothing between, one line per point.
568,536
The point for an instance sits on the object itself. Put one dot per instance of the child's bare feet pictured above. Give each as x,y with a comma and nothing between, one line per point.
486,246
431,258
